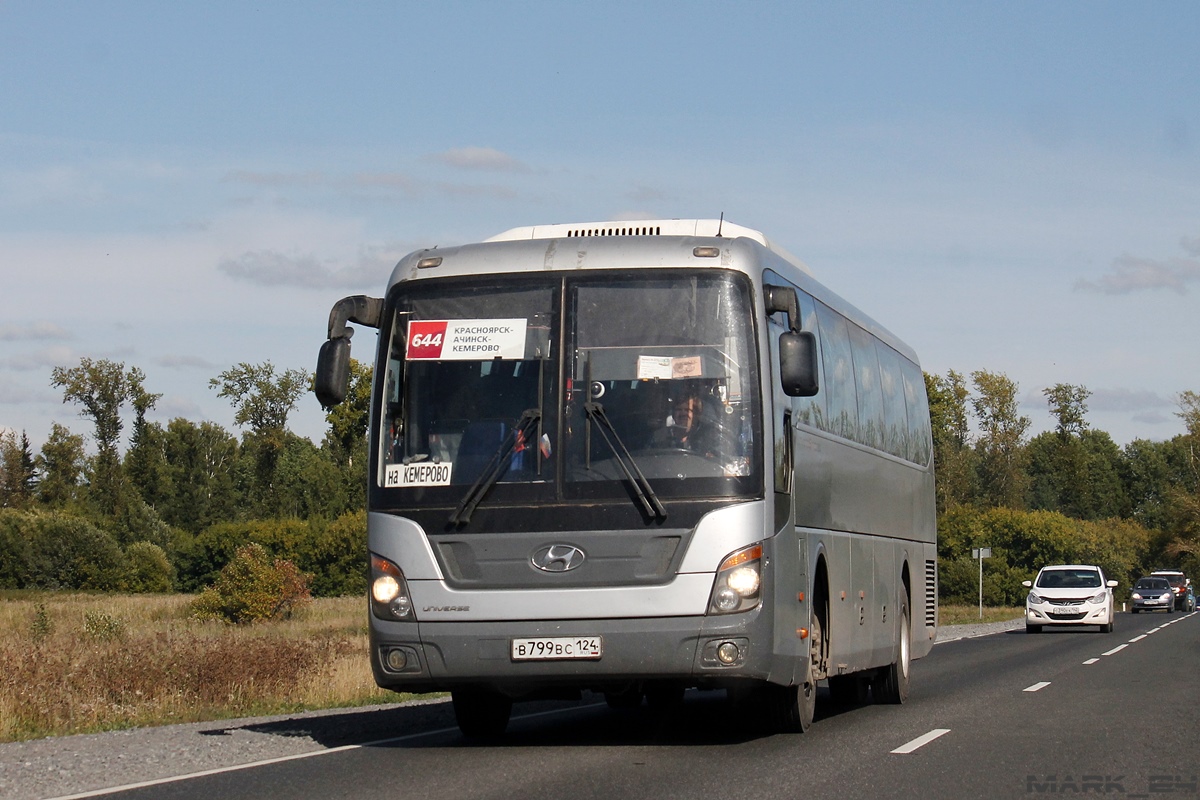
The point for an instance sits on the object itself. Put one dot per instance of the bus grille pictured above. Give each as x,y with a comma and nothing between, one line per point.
931,594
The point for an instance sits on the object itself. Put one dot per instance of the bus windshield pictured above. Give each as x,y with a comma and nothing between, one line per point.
558,388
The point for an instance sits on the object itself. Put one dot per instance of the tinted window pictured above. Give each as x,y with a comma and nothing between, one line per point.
870,393
838,362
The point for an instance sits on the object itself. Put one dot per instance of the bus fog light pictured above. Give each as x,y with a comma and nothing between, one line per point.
396,660
727,653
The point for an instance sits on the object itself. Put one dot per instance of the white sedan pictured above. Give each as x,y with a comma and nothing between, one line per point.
1069,594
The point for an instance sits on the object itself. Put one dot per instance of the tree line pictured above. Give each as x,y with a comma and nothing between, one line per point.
1068,495
171,510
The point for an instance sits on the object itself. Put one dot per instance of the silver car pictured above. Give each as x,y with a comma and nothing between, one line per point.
1152,594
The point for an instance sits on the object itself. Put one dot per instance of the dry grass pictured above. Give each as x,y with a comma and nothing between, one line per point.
74,663
966,615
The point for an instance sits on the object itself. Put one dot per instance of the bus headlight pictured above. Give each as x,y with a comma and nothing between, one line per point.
738,583
389,591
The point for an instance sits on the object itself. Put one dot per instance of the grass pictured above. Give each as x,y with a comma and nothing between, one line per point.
82,663
967,615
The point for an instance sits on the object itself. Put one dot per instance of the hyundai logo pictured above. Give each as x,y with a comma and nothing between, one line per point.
558,558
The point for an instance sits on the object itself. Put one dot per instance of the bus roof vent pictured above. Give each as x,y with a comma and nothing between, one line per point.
641,230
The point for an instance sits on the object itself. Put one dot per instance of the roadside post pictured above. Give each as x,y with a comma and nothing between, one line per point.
981,553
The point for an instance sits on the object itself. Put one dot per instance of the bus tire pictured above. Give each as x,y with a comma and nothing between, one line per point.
481,714
891,683
792,707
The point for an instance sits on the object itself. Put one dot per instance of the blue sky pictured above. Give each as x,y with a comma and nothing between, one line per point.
1012,187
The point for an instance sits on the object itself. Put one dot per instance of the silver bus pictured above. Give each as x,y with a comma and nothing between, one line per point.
636,458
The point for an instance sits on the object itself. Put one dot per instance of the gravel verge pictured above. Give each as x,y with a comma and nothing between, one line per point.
67,766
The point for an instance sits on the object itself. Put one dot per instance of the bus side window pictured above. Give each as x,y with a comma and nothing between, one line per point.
811,410
842,411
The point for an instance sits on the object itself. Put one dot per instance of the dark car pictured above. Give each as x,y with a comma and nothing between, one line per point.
1179,585
1152,594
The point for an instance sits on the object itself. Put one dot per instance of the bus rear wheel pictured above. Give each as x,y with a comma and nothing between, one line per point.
891,683
481,713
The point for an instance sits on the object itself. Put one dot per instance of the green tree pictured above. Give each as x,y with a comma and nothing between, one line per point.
952,453
61,466
145,462
200,475
262,402
346,440
1149,472
18,472
1183,500
1000,448
101,388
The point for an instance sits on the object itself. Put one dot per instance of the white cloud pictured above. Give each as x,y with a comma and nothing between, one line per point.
1130,274
184,361
482,159
1126,400
55,356
39,330
271,268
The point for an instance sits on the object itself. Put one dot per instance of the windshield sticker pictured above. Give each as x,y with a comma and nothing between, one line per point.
665,368
466,339
425,473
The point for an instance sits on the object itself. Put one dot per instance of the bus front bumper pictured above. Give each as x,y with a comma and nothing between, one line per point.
694,651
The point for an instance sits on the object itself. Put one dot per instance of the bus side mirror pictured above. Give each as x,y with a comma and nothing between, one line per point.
333,372
798,363
333,362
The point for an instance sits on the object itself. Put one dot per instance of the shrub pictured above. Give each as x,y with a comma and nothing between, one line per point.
102,626
67,552
252,587
40,626
337,556
149,569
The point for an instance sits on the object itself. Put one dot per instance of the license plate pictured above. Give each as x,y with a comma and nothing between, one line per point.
1065,610
557,647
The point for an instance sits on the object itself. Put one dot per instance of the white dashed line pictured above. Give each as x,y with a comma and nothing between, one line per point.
1036,686
921,741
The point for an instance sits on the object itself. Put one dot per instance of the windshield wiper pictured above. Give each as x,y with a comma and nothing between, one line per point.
641,487
496,466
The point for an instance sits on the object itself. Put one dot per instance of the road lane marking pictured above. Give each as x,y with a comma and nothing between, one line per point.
1091,661
294,757
921,741
1116,649
1037,686
1137,638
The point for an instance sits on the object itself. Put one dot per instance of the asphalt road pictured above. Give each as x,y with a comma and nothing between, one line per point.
1008,715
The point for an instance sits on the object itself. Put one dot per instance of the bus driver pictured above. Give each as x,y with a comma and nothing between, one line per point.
688,428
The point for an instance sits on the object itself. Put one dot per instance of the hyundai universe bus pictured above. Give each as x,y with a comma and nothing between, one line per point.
635,458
